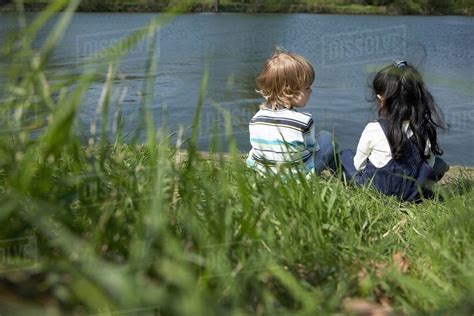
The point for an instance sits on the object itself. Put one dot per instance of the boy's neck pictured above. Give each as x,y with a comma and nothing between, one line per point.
264,107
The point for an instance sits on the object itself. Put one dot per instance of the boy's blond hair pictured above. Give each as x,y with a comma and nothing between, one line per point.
283,79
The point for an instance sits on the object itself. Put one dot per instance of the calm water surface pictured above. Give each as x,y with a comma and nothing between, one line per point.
344,50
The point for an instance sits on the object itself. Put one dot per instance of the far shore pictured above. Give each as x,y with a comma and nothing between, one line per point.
352,9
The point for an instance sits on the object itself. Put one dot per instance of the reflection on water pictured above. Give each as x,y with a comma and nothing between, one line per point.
343,49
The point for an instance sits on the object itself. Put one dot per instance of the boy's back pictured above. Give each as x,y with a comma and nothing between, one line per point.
280,137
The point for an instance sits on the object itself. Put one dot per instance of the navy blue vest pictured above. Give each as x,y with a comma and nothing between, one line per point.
404,178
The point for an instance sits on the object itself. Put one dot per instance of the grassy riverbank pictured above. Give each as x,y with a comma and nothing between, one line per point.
380,7
128,230
106,226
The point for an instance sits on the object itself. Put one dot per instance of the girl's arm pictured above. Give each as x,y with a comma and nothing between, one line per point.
428,152
363,148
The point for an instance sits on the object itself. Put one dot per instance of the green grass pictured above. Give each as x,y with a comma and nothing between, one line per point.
136,228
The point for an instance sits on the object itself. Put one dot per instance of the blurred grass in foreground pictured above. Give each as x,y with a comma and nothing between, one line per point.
133,229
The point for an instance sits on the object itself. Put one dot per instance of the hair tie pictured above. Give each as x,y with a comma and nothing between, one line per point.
401,64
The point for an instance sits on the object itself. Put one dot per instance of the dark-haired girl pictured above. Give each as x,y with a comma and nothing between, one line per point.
398,153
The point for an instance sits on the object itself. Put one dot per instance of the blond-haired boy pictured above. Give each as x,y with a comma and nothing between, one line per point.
281,134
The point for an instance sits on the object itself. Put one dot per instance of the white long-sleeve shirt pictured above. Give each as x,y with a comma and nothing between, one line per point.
374,146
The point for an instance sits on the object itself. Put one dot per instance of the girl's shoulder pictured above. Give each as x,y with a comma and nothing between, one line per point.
374,130
374,126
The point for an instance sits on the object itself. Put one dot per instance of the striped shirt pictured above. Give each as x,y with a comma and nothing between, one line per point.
282,137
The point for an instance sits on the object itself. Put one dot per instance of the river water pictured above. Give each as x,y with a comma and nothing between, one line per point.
344,50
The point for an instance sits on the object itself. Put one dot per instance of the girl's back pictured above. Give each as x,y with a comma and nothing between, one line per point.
397,153
396,177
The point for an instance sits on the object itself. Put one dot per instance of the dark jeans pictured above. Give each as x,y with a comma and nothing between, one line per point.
346,158
324,158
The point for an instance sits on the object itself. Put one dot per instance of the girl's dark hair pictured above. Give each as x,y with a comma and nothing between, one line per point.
405,98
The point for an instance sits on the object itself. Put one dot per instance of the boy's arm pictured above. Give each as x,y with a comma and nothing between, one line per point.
310,138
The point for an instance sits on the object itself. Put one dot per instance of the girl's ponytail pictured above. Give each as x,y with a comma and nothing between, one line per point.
405,98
